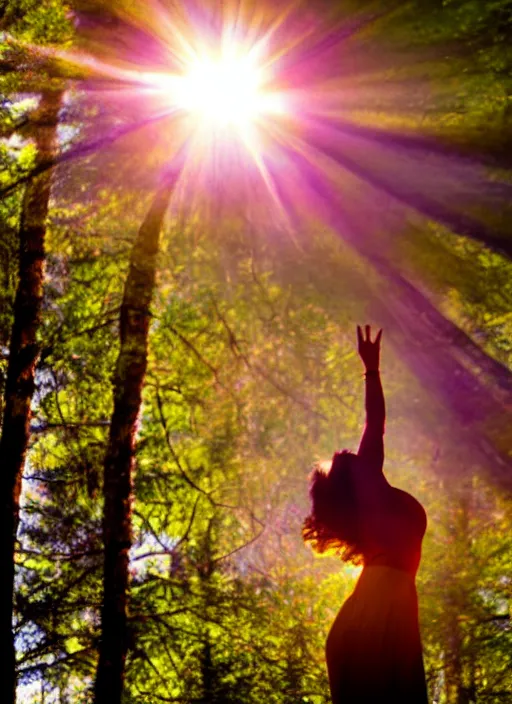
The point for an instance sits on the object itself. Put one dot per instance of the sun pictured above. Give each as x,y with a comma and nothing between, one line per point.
222,103
228,90
222,92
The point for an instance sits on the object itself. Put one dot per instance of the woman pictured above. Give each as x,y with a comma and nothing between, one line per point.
373,648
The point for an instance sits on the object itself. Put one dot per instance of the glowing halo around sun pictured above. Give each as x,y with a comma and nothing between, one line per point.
226,95
230,103
215,101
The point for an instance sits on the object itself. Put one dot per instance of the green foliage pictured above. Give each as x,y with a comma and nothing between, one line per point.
37,22
467,606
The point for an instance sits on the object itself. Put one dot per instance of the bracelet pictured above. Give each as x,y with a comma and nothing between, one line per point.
371,372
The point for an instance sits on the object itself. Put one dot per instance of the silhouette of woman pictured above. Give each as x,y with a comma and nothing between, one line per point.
373,649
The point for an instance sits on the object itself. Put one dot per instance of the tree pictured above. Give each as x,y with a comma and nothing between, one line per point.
26,315
23,353
117,481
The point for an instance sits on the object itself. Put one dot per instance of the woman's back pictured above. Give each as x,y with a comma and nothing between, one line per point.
373,649
393,524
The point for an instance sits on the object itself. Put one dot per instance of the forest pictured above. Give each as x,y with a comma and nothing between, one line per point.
181,276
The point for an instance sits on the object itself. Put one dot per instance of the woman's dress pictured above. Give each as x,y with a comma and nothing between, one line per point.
373,650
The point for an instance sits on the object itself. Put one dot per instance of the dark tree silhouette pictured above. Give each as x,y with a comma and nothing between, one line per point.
23,355
117,488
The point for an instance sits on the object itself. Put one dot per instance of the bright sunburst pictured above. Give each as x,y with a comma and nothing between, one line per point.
228,91
270,100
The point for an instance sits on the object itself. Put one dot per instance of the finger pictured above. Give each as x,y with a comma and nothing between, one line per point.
359,336
367,328
377,339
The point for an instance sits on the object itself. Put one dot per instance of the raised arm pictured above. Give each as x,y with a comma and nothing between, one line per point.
371,447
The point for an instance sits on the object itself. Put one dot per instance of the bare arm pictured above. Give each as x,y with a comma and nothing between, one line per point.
371,447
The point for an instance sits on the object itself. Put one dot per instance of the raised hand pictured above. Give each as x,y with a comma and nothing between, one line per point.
369,351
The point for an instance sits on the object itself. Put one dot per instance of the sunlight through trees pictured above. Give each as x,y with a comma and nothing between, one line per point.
180,280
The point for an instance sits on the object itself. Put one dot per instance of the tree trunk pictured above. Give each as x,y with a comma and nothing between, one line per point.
128,382
23,355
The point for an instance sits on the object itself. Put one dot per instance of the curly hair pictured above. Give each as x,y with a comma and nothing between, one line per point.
333,524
